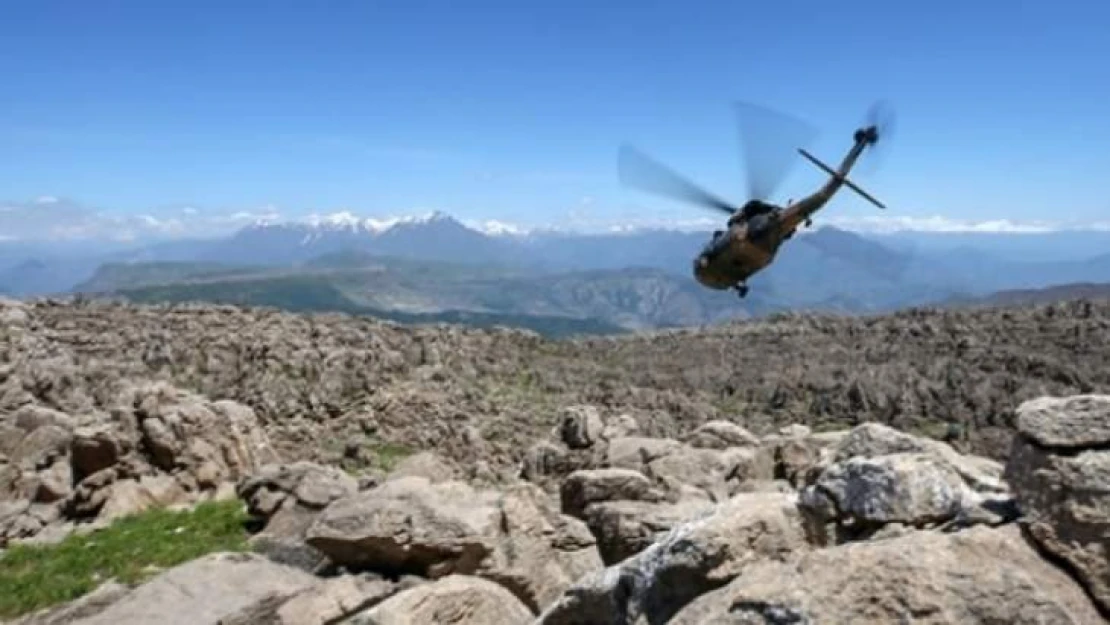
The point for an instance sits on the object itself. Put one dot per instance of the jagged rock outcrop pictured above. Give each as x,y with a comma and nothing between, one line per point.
698,555
326,602
1060,471
201,592
980,575
160,446
284,500
411,525
453,600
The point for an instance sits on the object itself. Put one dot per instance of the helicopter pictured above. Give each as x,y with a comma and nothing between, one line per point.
755,231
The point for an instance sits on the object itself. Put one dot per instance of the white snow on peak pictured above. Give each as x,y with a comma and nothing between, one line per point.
493,227
342,219
348,221
345,220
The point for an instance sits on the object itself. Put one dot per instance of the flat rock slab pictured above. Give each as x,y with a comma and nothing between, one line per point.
1078,421
981,575
453,600
203,591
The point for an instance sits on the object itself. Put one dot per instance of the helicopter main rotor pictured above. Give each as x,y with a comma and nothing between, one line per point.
768,142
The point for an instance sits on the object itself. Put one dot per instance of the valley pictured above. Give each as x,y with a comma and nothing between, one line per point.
435,268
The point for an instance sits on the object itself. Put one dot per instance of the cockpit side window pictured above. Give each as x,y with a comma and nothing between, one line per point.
716,244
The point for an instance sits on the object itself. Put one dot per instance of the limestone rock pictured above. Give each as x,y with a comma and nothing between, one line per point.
580,426
202,592
634,452
1059,469
980,575
910,488
869,440
453,600
326,602
76,611
1075,422
720,434
586,487
538,552
426,464
695,557
625,528
410,525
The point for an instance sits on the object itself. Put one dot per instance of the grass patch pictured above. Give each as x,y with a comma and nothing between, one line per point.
935,429
131,550
389,454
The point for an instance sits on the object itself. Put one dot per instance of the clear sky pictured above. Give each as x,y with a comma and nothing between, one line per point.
514,110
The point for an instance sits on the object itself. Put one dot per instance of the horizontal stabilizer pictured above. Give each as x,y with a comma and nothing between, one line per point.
848,183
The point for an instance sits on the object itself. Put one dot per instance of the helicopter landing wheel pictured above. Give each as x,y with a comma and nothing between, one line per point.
741,290
809,223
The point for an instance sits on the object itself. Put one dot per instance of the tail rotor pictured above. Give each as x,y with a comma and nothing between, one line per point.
880,123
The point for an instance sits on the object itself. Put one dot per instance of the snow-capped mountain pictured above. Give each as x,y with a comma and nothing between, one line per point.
432,236
62,241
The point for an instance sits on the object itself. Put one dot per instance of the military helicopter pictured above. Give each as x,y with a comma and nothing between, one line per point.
755,231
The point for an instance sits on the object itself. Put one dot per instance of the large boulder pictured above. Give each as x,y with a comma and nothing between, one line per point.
713,472
584,488
720,434
980,575
328,601
696,556
453,600
875,476
909,488
411,525
871,440
1059,469
624,528
284,500
200,592
580,426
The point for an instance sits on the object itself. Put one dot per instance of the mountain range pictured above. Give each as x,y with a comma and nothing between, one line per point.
433,265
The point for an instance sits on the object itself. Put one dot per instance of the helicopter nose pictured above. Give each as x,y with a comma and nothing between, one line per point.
700,263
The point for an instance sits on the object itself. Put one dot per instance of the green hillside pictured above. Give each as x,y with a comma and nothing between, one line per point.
415,291
310,293
114,276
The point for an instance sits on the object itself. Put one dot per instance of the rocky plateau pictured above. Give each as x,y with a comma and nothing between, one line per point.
927,467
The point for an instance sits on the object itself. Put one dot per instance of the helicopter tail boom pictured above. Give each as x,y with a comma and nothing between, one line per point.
840,178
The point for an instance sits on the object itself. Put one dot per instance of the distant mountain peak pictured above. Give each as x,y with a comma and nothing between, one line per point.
345,220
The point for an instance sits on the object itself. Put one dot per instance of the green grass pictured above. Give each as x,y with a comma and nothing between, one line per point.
387,455
131,550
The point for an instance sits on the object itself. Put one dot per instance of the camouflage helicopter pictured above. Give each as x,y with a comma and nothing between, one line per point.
755,231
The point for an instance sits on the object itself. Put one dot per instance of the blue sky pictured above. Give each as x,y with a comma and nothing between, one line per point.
514,111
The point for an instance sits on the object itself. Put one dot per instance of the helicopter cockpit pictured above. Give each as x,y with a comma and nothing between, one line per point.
716,244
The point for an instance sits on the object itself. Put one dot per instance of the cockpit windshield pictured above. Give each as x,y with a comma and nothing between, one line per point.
715,244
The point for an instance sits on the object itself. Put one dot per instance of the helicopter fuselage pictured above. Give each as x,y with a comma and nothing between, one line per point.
733,255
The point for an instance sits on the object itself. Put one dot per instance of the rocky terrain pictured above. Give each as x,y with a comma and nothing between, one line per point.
605,525
786,471
334,387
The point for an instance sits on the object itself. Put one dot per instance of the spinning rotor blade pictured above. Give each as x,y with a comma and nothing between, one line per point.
881,116
769,141
639,170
